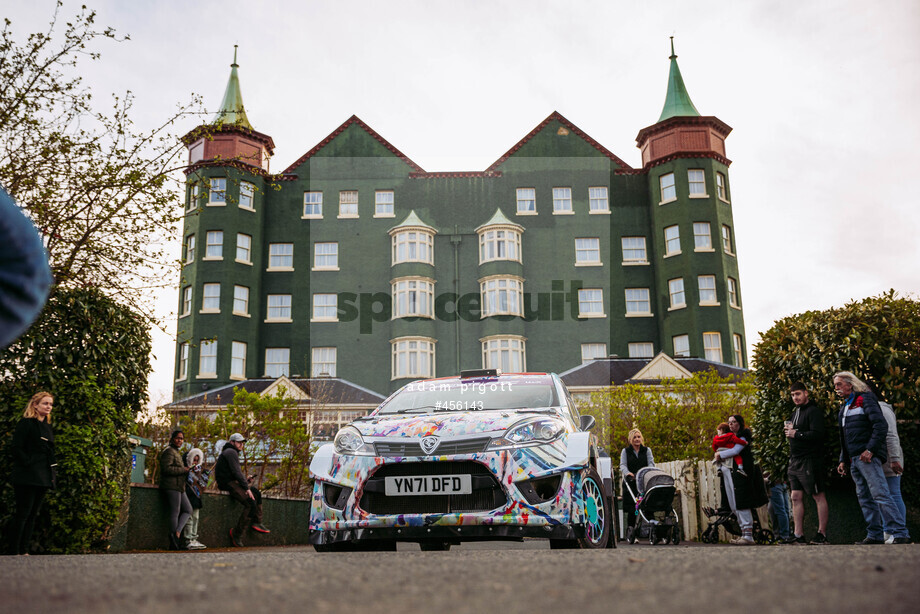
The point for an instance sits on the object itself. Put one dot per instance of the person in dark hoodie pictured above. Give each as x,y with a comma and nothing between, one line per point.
863,449
805,432
230,478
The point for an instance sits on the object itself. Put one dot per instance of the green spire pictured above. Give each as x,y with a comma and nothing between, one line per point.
677,103
231,109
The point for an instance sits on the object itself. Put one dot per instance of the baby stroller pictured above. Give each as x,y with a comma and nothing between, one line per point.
724,517
657,519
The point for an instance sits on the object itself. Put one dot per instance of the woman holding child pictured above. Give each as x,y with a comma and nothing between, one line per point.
737,474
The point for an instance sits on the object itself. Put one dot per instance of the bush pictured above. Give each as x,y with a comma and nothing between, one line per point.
93,355
878,339
678,418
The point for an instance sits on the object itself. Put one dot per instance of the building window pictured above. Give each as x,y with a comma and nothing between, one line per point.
207,358
384,203
183,361
190,249
348,203
638,302
598,201
280,256
712,346
325,308
739,351
702,237
502,296
727,239
671,241
238,360
504,352
218,193
641,350
210,302
681,345
668,191
279,308
634,250
323,363
590,303
277,362
326,256
413,298
247,191
697,181
590,351
413,246
720,185
707,286
526,201
243,248
193,193
186,301
214,245
733,292
499,245
588,251
313,204
676,292
241,300
412,357
562,200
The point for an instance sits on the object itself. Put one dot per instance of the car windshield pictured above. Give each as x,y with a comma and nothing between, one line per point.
475,394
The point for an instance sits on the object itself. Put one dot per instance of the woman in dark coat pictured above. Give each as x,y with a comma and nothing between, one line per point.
743,496
633,457
173,476
33,468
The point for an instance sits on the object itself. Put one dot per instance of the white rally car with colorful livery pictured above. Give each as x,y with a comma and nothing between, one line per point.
483,456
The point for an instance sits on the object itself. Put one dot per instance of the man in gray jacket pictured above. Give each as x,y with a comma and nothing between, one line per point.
230,478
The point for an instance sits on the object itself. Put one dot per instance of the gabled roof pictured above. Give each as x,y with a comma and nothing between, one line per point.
413,221
314,391
499,219
556,116
603,372
348,122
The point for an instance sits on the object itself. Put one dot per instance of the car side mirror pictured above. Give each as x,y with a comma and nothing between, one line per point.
587,423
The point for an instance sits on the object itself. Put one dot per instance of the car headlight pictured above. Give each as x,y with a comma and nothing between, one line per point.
529,432
349,441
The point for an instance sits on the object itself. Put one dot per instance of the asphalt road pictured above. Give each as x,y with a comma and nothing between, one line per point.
488,577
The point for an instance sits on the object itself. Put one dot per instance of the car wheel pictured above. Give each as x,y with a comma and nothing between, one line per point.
596,512
434,546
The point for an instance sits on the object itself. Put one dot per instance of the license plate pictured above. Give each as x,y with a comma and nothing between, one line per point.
429,485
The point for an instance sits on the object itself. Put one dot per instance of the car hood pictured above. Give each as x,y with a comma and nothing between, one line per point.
445,425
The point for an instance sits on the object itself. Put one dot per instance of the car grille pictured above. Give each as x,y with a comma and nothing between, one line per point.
487,493
462,446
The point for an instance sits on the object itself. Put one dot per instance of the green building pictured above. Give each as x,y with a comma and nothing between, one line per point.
356,263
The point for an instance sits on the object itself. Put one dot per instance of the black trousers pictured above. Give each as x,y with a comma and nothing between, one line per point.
252,508
28,503
629,504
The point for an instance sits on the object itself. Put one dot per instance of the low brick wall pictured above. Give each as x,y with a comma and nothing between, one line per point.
144,526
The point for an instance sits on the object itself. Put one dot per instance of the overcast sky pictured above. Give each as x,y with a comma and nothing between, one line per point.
822,96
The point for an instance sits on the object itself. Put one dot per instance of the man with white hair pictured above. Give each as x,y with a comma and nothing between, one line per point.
863,448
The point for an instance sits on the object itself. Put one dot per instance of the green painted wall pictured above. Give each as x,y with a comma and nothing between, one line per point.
455,206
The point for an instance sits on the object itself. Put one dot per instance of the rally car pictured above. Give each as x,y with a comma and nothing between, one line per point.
482,456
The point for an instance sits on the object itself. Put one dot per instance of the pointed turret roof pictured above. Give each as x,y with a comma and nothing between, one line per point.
499,219
412,221
677,103
231,109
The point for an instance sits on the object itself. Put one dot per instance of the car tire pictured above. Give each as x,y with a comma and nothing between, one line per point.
596,512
